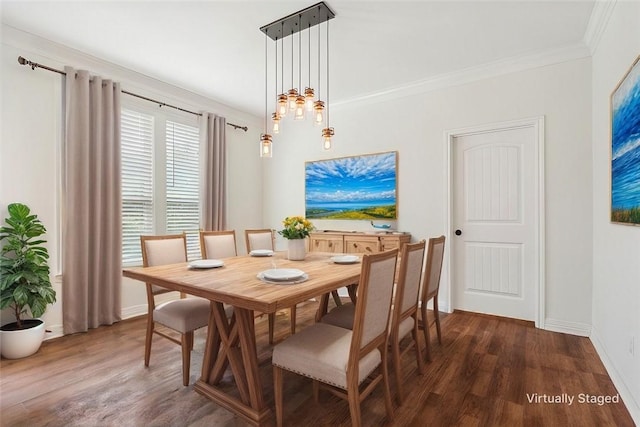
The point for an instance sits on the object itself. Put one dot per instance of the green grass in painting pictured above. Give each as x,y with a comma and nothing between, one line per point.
626,215
377,212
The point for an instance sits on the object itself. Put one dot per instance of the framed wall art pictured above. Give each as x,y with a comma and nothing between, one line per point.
625,148
359,187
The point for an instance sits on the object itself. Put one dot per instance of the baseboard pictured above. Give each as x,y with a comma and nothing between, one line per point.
632,405
566,327
54,331
134,311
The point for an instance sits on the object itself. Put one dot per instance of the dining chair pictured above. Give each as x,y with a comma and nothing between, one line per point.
404,312
184,315
263,239
404,319
430,289
259,239
218,244
339,359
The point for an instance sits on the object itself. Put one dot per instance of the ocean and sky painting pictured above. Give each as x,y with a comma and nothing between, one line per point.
625,149
359,187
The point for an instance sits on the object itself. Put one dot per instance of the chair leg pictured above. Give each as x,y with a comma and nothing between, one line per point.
148,339
397,368
416,343
187,345
336,298
425,327
436,314
316,391
272,324
293,319
277,394
353,395
385,383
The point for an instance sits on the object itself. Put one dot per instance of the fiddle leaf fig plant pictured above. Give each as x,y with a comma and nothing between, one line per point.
24,269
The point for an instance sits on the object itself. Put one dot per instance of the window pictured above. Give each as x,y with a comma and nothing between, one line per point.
160,180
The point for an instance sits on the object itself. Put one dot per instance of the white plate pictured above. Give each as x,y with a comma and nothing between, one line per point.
300,279
282,274
261,252
345,259
206,263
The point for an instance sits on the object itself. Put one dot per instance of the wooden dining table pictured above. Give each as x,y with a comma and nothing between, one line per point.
231,341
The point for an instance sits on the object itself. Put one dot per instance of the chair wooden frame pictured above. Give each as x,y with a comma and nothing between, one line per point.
405,306
431,288
203,241
358,349
249,232
186,339
272,316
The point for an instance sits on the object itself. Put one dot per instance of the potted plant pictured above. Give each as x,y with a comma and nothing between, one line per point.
25,285
296,228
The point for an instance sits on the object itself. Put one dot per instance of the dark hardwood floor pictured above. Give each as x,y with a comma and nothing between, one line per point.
484,374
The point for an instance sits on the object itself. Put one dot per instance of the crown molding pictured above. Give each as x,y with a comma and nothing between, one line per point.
473,74
600,14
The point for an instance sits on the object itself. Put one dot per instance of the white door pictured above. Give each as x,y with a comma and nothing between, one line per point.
495,222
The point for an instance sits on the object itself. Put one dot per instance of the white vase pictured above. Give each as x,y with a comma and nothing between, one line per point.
297,249
24,342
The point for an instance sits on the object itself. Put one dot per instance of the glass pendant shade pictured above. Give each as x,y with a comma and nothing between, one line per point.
308,99
327,133
318,112
266,146
300,103
275,117
282,104
292,95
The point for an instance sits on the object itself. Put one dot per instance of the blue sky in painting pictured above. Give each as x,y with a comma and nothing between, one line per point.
625,144
362,180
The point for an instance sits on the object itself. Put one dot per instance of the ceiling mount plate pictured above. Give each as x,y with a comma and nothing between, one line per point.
298,21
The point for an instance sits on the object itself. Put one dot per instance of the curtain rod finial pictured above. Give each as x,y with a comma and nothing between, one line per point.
21,60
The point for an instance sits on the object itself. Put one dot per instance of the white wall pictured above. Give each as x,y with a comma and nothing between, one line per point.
616,248
415,127
31,132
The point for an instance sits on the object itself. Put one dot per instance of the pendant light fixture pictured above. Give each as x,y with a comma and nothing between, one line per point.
297,102
327,132
266,145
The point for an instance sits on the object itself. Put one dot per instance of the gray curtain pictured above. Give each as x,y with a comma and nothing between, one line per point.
214,152
92,232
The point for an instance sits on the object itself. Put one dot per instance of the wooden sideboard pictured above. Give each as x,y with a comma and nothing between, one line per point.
355,242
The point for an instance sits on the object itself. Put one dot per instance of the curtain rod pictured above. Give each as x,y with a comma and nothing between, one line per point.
35,65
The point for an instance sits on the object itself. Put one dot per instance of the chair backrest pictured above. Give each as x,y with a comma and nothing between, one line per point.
218,244
409,278
259,239
375,290
433,268
161,250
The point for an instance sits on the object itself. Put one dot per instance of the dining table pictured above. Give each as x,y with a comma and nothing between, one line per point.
231,340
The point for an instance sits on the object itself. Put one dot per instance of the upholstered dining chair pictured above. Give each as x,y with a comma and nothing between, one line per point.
259,239
430,289
339,359
404,314
404,319
263,239
184,315
218,244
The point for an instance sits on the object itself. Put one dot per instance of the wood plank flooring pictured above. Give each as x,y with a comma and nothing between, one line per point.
484,374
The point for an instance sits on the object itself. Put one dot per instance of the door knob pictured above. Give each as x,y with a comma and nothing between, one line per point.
458,232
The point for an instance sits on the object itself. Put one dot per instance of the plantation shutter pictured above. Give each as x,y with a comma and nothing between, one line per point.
183,186
137,182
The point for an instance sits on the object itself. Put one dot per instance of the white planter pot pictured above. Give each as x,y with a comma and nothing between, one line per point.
23,342
297,249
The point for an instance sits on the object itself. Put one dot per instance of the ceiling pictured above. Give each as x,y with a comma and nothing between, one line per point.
215,48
